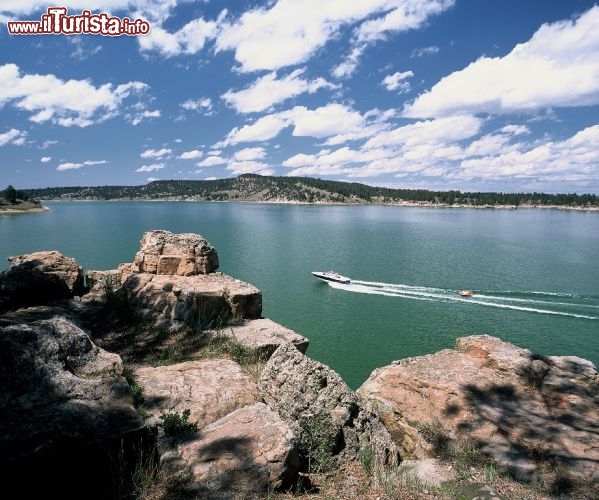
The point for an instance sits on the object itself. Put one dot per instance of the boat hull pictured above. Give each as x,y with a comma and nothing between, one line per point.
332,277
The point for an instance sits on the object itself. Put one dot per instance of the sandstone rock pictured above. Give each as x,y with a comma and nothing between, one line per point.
210,389
186,254
39,277
265,335
524,410
319,405
250,450
200,302
66,412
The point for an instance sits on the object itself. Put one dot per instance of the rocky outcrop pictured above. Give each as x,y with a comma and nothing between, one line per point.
321,408
250,450
186,254
198,302
39,277
209,389
264,335
67,411
172,283
535,415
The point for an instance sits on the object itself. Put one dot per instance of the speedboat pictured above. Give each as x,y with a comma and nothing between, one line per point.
466,293
332,276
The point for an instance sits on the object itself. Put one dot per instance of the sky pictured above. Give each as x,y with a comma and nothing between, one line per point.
495,95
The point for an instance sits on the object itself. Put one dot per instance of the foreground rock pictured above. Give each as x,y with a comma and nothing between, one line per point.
535,415
250,450
322,410
67,412
39,277
209,389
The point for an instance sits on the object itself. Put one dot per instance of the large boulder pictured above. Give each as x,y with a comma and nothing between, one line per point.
186,254
536,415
250,450
67,420
39,277
329,419
209,389
264,335
199,302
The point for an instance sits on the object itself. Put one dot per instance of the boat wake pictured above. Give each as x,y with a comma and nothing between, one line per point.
559,304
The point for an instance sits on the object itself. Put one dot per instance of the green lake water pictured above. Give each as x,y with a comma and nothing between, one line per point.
534,272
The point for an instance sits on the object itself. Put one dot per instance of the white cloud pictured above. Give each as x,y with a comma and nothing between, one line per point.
268,90
190,39
137,117
440,131
191,155
399,16
76,166
249,154
396,81
558,66
66,103
336,122
424,51
200,105
152,179
574,159
13,136
292,31
45,159
515,130
151,168
156,153
211,161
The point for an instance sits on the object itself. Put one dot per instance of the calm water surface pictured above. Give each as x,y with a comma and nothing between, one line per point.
535,273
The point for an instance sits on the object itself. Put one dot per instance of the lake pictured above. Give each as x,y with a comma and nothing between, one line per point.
534,272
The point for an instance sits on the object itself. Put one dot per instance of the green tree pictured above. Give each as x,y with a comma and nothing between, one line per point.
10,194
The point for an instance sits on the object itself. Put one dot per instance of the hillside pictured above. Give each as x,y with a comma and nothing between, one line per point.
252,187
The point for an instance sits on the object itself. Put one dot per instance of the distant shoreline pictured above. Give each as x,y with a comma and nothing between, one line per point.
407,204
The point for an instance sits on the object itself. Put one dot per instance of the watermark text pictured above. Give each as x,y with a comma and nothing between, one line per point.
56,21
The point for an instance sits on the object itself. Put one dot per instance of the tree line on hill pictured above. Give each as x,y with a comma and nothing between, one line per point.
304,189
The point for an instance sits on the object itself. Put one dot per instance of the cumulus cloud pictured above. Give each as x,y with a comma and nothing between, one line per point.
190,39
151,168
203,105
45,159
293,30
156,153
557,67
399,16
76,166
397,81
66,103
13,136
335,121
249,154
191,155
211,161
269,90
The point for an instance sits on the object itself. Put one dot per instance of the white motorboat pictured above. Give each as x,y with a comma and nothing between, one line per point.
332,276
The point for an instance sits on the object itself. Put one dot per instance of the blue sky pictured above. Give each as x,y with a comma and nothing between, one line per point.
497,95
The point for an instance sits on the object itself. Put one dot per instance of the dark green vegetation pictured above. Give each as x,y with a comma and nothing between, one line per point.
252,187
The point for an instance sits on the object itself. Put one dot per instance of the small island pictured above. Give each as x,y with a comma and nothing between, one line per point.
18,202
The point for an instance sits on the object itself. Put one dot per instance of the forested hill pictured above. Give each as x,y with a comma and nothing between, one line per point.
251,187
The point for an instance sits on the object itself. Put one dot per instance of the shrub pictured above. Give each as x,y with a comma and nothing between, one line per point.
174,424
